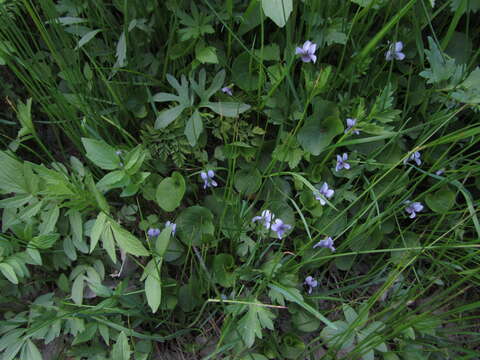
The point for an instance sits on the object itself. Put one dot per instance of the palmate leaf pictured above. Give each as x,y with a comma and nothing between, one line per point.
251,324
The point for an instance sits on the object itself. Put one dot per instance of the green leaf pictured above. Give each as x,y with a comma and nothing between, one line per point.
194,128
278,10
163,240
49,220
228,109
77,289
193,224
350,314
15,201
44,241
121,53
223,267
333,335
121,349
170,192
442,67
11,176
320,129
245,72
110,180
127,242
166,117
101,154
252,323
31,351
153,291
247,182
441,201
97,230
8,271
86,38
298,299
206,55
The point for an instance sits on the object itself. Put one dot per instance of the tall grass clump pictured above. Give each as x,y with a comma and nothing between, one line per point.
262,179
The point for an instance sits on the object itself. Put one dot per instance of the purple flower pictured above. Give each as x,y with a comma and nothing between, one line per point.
266,218
311,283
153,232
395,52
172,225
227,90
307,52
118,152
439,172
325,243
326,192
414,157
342,162
208,179
350,124
280,227
413,207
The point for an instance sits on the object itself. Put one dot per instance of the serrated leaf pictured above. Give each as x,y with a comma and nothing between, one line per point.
252,323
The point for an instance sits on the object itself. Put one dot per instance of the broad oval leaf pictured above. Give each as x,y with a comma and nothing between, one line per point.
441,201
278,10
193,224
170,192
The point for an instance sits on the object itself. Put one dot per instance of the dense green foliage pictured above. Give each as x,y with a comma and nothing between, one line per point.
239,179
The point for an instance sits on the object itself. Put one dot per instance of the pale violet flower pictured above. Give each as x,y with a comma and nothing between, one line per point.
153,232
439,172
227,90
172,225
311,283
280,227
342,162
395,52
326,192
414,157
266,218
118,152
351,124
307,52
208,179
325,243
413,208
